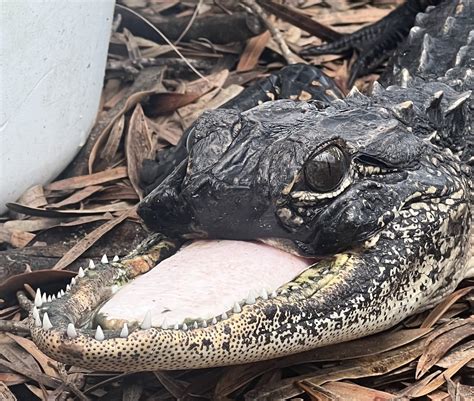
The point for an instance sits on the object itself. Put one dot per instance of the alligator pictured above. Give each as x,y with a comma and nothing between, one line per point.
293,224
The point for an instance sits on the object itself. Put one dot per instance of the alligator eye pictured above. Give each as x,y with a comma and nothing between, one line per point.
325,170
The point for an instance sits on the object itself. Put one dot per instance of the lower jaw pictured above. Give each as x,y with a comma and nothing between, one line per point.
263,329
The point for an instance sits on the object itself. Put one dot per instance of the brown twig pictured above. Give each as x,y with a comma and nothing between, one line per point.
276,34
301,20
11,326
190,23
24,302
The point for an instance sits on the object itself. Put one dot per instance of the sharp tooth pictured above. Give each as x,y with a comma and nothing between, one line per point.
104,259
99,334
91,264
273,294
71,331
73,281
214,320
204,323
264,294
63,292
224,316
124,331
251,298
164,324
146,324
59,295
80,273
115,259
185,327
46,322
53,298
176,326
43,298
195,325
237,308
68,288
37,317
38,299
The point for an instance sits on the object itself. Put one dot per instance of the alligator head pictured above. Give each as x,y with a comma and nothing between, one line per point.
371,221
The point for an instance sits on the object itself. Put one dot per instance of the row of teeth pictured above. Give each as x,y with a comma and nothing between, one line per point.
147,324
40,299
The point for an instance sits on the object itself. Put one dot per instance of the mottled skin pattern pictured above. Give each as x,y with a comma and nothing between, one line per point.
395,232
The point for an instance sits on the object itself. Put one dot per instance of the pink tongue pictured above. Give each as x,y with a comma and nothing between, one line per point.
203,280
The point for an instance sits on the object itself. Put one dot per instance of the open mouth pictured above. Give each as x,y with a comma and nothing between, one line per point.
205,281
212,303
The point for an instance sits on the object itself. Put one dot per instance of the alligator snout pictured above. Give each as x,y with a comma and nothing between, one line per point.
163,209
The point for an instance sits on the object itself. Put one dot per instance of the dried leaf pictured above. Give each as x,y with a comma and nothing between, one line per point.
32,225
110,149
35,279
442,377
77,197
116,192
5,393
252,52
375,365
177,388
31,374
144,86
441,308
351,391
138,146
234,377
168,130
40,393
439,346
16,355
456,354
113,207
439,396
459,391
47,364
90,239
14,237
356,16
210,101
88,180
10,379
20,239
34,197
162,103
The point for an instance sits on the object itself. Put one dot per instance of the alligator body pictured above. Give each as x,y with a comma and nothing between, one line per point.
370,197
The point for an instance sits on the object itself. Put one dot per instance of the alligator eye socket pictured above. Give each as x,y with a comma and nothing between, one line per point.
325,170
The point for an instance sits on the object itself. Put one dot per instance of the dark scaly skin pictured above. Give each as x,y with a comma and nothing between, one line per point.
374,43
395,233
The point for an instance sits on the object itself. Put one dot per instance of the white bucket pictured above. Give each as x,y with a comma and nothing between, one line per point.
52,62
